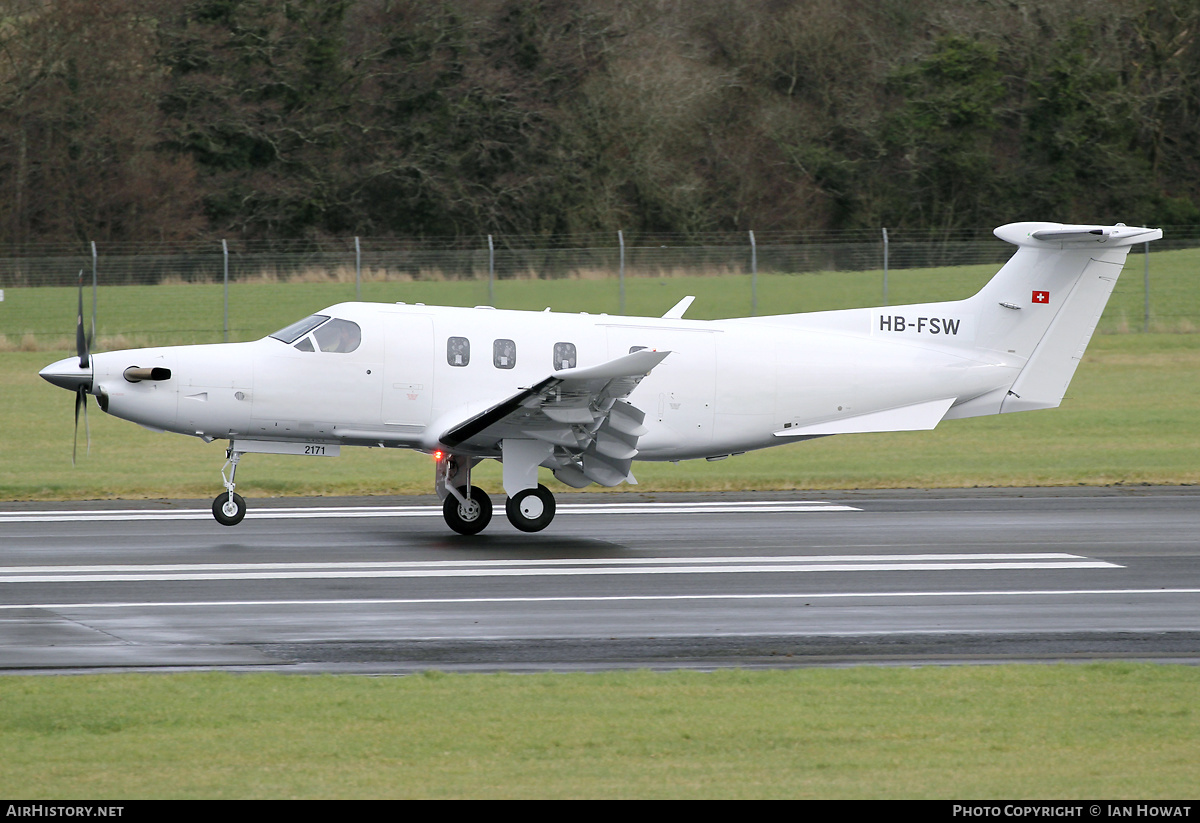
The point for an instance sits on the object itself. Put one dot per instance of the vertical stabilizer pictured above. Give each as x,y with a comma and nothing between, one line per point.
1043,306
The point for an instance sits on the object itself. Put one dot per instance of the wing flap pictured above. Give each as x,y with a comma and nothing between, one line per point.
582,413
571,415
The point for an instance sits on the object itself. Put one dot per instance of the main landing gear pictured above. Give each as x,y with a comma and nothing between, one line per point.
467,509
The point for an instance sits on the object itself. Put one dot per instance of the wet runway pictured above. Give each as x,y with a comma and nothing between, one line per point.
618,580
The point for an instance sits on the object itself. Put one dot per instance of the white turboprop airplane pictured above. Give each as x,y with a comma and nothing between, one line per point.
583,395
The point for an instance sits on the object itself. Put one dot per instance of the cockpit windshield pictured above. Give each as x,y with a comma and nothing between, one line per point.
300,328
331,335
339,336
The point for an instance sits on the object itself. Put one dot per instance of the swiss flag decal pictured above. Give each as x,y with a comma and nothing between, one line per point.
1041,297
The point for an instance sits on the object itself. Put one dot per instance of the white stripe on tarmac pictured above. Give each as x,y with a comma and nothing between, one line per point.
454,601
295,513
544,568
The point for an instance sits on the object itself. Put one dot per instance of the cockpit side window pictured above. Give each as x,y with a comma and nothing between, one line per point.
300,328
338,336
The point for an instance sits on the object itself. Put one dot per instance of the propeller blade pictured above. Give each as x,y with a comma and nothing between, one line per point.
82,344
80,400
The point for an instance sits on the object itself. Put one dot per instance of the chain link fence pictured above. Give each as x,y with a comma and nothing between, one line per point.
501,257
359,266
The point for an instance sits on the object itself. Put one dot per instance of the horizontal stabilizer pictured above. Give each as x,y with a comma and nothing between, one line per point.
1059,235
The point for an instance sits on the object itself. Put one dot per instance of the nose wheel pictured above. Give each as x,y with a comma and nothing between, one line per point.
229,509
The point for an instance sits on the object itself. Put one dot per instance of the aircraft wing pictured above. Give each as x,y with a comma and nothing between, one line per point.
581,414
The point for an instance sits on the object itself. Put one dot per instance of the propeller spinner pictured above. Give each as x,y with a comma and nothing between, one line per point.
75,373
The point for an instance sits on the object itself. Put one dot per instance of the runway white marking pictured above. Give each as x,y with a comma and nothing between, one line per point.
453,601
296,513
545,568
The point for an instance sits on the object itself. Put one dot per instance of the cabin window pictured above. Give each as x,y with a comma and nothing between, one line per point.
338,336
458,351
504,354
300,328
564,356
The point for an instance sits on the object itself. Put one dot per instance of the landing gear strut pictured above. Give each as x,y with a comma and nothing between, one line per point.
229,508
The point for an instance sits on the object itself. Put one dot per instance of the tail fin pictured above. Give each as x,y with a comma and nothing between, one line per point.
1043,305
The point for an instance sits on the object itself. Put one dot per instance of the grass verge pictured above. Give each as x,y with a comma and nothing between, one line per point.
1111,730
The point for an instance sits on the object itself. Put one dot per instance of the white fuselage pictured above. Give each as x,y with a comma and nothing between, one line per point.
726,386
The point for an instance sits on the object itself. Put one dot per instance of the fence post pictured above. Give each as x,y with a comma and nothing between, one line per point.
621,274
491,272
225,256
357,270
1146,281
753,276
885,267
94,267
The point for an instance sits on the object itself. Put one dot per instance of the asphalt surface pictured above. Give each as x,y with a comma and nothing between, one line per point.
380,585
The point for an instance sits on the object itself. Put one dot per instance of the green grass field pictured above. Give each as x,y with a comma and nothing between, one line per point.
44,318
1109,731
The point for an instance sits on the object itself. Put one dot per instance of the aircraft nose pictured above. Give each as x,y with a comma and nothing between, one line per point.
67,374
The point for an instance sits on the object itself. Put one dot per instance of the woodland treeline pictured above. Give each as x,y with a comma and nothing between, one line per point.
150,120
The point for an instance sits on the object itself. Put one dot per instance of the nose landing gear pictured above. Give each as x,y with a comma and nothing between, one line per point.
229,508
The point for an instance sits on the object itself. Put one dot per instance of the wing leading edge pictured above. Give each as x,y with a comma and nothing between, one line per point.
590,432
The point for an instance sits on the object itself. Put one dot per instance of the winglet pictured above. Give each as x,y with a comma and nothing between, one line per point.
676,311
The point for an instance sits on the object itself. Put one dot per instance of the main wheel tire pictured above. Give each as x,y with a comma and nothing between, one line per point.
531,510
229,512
468,519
